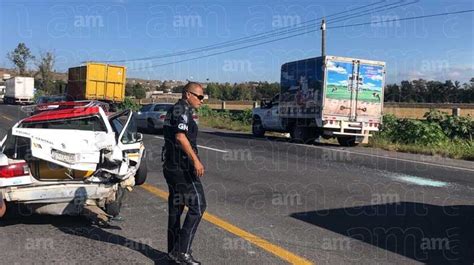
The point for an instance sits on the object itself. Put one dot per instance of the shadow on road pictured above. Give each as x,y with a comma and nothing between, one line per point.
80,226
266,138
426,233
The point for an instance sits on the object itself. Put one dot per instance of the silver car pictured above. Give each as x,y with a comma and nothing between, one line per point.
152,116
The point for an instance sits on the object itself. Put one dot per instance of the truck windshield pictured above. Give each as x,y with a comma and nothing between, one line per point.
92,123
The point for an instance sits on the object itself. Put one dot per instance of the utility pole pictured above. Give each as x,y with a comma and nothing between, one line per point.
323,37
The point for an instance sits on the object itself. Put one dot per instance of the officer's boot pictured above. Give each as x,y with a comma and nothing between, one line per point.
187,258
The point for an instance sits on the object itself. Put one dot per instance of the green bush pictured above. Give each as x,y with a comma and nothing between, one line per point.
205,111
245,117
128,103
440,134
418,132
389,126
454,127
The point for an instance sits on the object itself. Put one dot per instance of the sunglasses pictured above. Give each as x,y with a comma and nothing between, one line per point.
200,97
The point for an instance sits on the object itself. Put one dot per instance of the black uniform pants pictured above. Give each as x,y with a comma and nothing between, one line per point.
185,189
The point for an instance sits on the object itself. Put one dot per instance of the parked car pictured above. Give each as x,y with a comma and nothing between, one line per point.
152,116
71,160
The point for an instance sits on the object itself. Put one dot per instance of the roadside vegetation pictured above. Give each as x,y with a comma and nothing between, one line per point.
235,121
439,134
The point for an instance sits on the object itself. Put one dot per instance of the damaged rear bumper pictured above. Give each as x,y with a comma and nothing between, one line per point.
59,193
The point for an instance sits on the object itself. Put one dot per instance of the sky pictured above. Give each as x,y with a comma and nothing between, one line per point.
371,77
438,48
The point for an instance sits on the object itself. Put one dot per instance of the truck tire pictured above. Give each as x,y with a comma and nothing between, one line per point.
348,141
301,134
257,127
142,172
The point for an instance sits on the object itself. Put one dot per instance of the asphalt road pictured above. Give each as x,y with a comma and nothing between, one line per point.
272,201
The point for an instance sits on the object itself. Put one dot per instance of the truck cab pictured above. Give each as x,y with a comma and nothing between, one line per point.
266,118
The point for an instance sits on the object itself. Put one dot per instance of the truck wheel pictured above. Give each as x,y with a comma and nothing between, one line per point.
348,141
300,134
257,128
142,172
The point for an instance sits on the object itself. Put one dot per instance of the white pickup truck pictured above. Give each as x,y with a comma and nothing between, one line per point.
325,96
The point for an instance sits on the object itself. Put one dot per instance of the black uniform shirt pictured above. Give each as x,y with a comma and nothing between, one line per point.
179,119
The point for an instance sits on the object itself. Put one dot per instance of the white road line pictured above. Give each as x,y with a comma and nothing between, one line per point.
392,158
200,146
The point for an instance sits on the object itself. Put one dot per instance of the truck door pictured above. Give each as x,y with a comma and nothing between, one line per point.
340,86
272,119
369,92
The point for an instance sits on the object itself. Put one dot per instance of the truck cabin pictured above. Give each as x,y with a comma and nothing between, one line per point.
265,104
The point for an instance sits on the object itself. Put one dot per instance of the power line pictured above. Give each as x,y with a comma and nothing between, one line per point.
227,51
295,35
254,37
395,5
403,19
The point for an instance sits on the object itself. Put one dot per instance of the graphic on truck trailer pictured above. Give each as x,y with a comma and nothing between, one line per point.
301,88
353,86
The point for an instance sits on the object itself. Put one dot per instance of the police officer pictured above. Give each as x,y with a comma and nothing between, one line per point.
182,169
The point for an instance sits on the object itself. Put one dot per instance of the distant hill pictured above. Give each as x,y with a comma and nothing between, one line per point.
149,84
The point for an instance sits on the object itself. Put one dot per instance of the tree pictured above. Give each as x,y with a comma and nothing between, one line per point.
392,93
20,57
241,92
213,91
266,90
128,90
45,68
177,89
139,91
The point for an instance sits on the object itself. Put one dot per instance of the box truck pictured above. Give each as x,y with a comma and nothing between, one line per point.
97,81
19,90
326,96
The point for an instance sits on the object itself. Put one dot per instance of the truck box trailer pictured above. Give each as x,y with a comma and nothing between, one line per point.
19,90
97,81
327,96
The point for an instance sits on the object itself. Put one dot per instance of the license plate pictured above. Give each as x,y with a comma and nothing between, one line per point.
63,156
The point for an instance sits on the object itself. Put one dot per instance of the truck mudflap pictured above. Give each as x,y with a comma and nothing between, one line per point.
58,193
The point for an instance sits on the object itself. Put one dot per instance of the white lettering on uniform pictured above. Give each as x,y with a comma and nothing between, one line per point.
183,126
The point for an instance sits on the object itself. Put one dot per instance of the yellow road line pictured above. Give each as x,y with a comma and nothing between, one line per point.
258,241
5,117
